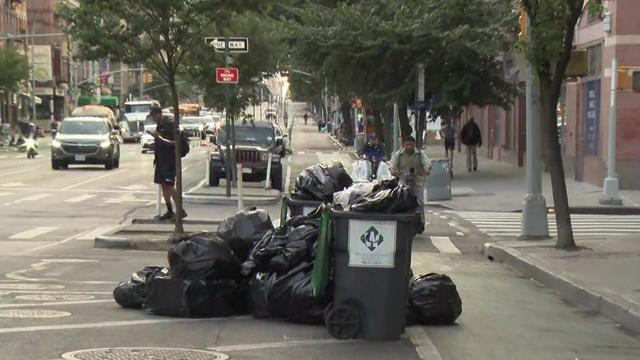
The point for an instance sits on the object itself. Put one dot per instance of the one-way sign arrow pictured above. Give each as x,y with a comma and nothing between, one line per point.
236,44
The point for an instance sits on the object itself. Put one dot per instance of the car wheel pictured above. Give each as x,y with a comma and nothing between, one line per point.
276,178
214,176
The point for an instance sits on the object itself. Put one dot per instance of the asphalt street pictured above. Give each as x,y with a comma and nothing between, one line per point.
55,288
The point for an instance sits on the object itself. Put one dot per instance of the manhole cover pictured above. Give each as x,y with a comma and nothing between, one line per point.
143,354
468,258
30,287
54,297
33,314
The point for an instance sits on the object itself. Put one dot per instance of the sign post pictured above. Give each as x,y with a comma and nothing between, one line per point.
227,76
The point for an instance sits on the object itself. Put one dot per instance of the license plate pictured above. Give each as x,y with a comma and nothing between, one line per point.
246,170
80,158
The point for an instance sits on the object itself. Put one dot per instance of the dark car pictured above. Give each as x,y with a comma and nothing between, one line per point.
254,142
86,140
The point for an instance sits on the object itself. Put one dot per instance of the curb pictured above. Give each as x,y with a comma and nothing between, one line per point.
161,222
337,142
223,200
120,243
618,309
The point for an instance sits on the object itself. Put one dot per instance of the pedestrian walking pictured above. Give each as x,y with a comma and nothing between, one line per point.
448,134
320,123
306,117
472,140
165,160
412,166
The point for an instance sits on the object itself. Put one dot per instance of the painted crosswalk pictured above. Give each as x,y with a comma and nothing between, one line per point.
80,198
32,233
498,224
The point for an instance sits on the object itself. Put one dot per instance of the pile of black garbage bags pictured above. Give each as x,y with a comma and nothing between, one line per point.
249,266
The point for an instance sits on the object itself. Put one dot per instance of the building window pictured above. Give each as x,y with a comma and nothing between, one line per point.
594,56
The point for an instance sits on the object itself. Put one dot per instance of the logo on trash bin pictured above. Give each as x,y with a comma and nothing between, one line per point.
372,238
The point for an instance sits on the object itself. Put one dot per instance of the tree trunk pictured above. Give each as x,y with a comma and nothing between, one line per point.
377,125
347,122
549,104
405,127
179,229
388,132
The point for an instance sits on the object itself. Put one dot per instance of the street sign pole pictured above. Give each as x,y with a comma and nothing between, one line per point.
610,195
229,163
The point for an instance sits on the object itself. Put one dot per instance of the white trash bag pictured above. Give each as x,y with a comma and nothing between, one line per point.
384,172
349,194
361,171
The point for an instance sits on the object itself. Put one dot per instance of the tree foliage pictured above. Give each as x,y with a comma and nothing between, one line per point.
15,68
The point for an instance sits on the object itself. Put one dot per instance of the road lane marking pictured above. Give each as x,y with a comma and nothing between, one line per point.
18,157
444,245
280,344
51,245
107,324
93,179
35,197
424,346
5,194
15,184
15,172
3,156
91,235
30,234
80,198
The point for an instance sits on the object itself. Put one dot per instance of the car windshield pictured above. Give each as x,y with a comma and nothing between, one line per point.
191,121
80,127
131,108
258,135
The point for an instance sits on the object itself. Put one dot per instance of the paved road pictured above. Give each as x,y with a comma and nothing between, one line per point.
55,295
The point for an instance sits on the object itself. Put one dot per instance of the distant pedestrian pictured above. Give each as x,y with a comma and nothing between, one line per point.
472,139
306,117
448,134
320,123
165,160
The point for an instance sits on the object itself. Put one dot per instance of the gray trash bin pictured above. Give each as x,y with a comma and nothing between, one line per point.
439,180
372,254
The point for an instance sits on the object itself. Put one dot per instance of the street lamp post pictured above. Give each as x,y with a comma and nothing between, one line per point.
534,209
611,187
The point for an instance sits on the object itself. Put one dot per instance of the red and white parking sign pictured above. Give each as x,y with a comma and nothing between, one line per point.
227,75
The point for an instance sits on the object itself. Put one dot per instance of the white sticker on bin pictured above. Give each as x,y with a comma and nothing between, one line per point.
306,210
372,243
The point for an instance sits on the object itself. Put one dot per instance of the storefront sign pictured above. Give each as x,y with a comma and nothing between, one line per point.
592,123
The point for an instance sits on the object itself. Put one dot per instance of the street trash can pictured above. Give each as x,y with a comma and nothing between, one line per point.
439,180
295,207
372,262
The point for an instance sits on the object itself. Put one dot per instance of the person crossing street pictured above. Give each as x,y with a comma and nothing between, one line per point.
472,140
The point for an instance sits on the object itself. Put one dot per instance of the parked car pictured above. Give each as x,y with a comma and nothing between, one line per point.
86,140
254,141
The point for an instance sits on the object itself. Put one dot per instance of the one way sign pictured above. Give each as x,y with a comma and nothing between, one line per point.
236,44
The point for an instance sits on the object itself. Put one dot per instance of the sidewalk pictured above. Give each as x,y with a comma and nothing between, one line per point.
602,275
498,186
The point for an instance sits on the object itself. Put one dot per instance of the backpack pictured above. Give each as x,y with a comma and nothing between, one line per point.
184,144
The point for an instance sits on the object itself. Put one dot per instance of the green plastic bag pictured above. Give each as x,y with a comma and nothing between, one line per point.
322,263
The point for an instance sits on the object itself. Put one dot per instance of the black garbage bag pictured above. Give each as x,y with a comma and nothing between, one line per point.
132,294
203,256
244,229
191,298
257,296
304,307
396,200
320,181
282,249
434,299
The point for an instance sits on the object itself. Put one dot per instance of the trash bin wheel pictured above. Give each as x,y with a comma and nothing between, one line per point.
342,321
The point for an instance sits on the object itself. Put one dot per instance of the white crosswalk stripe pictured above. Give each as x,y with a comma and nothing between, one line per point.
509,224
80,198
444,245
100,230
35,197
32,233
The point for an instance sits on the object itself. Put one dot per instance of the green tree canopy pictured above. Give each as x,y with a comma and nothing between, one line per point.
15,68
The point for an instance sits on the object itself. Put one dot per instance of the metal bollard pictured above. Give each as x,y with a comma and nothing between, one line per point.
207,168
239,184
159,200
267,184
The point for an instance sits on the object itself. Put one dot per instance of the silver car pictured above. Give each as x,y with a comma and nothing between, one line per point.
86,140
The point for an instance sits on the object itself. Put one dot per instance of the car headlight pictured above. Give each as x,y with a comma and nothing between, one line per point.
265,156
105,144
55,144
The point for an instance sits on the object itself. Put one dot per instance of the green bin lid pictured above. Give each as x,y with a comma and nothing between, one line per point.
111,101
86,100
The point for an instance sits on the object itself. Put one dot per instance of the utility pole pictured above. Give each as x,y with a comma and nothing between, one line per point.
227,134
610,194
141,82
33,73
534,209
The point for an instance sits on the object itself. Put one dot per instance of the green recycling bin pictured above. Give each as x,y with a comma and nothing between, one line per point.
372,262
297,207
